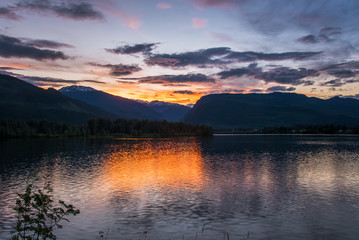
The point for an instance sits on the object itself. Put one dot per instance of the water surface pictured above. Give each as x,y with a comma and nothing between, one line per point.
261,186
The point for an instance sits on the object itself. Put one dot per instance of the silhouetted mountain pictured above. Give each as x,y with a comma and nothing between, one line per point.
171,112
275,109
122,107
23,101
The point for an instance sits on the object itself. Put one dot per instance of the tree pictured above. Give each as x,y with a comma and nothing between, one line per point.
37,218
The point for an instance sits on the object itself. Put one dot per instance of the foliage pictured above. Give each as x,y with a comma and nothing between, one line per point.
298,129
101,127
37,217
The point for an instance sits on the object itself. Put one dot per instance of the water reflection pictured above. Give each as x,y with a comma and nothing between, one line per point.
275,187
159,165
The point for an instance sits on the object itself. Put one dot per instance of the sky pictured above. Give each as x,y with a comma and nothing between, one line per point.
180,50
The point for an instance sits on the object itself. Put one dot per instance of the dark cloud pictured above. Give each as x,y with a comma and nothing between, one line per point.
54,80
48,81
8,68
308,39
327,34
144,48
118,69
14,47
165,79
236,90
282,75
356,96
338,82
221,56
251,70
73,10
9,13
41,43
333,83
198,58
255,56
280,89
342,70
344,73
184,92
345,65
256,91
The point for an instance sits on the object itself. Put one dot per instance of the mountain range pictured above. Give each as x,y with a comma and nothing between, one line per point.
76,104
274,109
127,108
22,101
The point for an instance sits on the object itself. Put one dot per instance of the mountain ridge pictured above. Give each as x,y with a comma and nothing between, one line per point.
23,101
274,109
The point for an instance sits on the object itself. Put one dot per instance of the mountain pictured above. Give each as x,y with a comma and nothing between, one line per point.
274,109
171,112
121,107
23,101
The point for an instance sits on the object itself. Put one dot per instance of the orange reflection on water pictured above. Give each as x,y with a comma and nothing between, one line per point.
317,173
140,165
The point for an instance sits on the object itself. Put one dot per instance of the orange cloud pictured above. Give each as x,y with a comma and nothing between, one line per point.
110,8
199,23
163,6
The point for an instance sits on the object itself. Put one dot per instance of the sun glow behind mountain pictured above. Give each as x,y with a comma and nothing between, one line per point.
178,51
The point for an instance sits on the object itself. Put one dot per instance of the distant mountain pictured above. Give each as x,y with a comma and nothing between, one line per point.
274,109
23,101
121,107
171,112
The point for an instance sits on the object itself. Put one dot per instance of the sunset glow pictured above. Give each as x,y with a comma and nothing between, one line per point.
180,50
149,165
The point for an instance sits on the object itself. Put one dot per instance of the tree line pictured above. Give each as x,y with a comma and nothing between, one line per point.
101,127
298,129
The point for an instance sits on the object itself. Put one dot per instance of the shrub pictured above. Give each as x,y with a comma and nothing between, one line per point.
37,218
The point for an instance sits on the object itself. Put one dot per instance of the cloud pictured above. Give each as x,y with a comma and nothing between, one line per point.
333,83
118,69
71,10
255,56
9,13
184,92
220,56
200,57
280,89
251,70
327,34
342,70
338,82
356,96
48,81
54,80
143,48
131,21
285,75
256,90
281,75
163,5
272,17
8,68
199,23
14,47
215,3
165,79
41,43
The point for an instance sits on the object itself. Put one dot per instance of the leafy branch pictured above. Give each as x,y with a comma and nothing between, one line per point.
37,218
